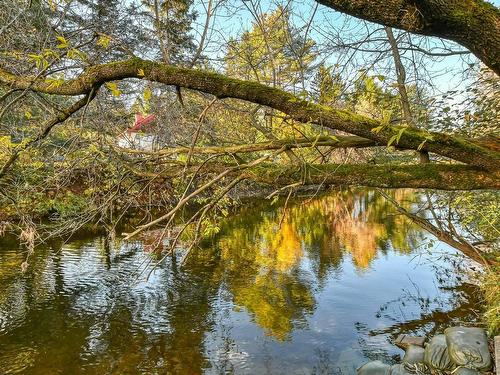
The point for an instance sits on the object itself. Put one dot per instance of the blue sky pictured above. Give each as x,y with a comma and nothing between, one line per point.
232,20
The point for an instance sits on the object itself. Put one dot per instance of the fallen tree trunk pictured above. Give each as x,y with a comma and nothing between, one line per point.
429,176
425,176
475,24
325,141
438,176
453,147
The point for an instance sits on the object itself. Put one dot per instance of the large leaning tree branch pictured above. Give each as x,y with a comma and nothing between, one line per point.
426,176
417,176
475,24
221,86
444,177
325,141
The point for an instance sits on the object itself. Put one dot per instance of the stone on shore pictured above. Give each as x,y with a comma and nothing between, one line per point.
374,368
468,347
400,369
414,354
436,354
465,371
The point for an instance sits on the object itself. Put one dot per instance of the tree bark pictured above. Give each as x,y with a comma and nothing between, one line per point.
453,147
335,142
475,24
403,94
430,176
416,176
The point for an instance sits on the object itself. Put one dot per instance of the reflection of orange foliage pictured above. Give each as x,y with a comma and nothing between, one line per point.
265,254
152,240
359,238
357,223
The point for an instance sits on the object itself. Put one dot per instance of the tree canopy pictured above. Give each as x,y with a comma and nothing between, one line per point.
282,97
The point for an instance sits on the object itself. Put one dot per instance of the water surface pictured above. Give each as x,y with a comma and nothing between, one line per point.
317,287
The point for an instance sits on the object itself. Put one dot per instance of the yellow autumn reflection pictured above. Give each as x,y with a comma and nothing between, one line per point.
266,254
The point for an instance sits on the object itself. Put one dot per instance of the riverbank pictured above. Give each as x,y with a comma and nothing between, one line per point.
458,350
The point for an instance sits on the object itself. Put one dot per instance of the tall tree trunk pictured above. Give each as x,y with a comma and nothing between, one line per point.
403,94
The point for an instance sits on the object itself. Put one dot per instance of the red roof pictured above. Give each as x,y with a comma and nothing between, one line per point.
140,121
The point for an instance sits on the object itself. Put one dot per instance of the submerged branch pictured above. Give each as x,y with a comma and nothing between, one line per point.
460,244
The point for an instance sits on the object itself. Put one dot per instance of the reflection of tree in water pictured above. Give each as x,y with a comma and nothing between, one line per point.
263,257
73,318
359,223
270,262
267,282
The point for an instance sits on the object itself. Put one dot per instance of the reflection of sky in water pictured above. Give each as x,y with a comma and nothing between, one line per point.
321,293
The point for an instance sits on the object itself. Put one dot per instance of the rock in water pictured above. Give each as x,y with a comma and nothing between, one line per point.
414,354
436,354
374,368
404,341
399,370
468,347
465,371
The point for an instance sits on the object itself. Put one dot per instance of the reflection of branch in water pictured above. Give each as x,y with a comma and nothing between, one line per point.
374,349
444,236
466,301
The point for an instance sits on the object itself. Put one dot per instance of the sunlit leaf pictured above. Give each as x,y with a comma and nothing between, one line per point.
103,41
115,91
391,140
147,94
63,43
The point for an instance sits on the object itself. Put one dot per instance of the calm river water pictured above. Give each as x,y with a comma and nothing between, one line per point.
317,288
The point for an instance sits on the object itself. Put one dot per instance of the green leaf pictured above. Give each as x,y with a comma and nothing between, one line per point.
386,117
421,145
400,133
391,141
63,43
334,138
147,94
103,41
115,91
37,59
54,82
316,141
76,55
